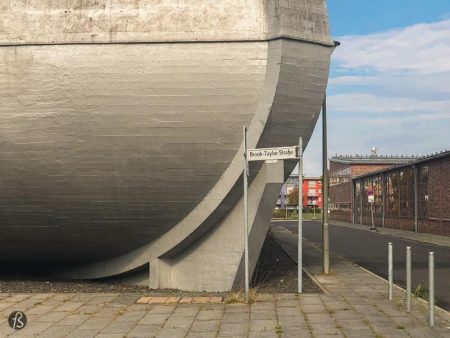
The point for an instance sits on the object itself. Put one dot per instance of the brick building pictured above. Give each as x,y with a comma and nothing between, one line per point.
312,192
344,168
412,196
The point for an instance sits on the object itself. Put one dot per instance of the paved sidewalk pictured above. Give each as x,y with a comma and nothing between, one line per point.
356,306
419,237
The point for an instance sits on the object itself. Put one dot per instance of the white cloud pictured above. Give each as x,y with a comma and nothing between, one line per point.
362,103
392,91
422,48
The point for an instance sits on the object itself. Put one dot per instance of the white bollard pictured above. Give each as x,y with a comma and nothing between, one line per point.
431,287
408,278
390,270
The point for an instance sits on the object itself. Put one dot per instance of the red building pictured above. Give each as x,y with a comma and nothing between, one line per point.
312,192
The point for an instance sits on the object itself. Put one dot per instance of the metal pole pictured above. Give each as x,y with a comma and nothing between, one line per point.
245,163
408,278
325,234
353,201
300,216
371,212
431,287
360,202
383,182
390,270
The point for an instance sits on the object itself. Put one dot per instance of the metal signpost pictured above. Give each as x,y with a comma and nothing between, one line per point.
246,215
300,216
371,200
272,155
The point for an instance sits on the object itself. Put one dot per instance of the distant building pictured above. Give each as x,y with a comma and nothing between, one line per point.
312,192
345,167
412,196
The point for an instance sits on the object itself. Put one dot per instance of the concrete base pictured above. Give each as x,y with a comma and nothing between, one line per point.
215,262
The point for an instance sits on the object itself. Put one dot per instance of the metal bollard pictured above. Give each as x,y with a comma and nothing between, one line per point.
431,287
408,278
390,270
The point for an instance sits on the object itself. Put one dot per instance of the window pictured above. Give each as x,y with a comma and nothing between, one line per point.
392,193
423,196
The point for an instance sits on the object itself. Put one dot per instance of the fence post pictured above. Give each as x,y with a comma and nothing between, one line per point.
390,270
408,278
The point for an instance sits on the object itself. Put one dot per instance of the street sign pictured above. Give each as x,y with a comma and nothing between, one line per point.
281,153
371,198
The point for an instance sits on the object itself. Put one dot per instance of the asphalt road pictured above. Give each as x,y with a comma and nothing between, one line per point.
369,250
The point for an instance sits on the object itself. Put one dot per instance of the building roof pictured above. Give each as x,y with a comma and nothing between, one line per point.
419,160
370,159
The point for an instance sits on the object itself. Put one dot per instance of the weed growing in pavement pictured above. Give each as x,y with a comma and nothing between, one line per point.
239,296
278,330
421,291
400,327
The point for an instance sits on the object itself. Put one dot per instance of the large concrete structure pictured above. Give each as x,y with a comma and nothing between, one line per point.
121,128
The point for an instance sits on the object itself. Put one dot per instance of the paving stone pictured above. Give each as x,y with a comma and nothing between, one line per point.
77,333
309,308
186,310
95,323
101,299
216,300
234,329
40,309
235,317
237,308
324,328
76,319
89,309
144,331
154,319
118,327
292,321
162,309
172,332
131,316
262,314
291,310
186,300
57,331
262,306
157,300
318,318
144,300
259,325
172,300
201,335
205,326
52,317
291,332
178,322
201,300
209,314
69,306
262,334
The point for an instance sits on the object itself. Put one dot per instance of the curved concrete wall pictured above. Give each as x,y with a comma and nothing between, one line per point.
122,146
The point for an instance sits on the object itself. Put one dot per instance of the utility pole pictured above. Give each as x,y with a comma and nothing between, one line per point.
325,234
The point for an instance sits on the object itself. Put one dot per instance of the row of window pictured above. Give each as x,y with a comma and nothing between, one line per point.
399,199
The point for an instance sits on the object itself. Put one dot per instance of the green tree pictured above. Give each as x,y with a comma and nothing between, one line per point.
293,197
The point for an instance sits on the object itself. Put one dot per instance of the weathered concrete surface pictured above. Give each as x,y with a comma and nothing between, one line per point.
106,21
121,141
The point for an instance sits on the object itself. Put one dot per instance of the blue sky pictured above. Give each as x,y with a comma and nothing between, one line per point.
390,79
